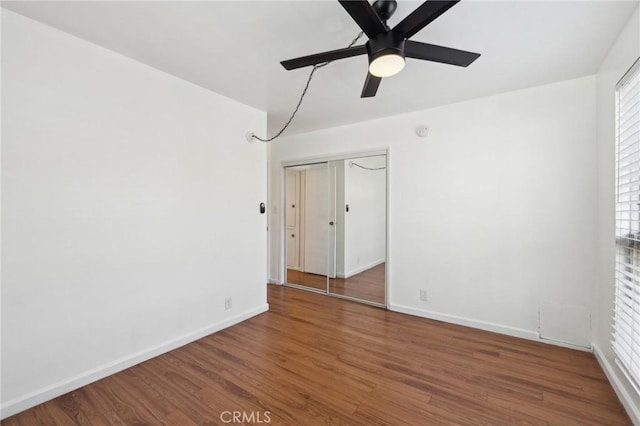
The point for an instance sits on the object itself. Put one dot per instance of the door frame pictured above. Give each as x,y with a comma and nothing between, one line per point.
302,161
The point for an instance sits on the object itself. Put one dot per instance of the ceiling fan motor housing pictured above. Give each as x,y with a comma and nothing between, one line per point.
385,8
389,43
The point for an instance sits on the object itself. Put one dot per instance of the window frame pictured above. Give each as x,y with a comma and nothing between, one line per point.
627,246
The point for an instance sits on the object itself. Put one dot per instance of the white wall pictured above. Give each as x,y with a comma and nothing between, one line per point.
129,212
492,213
622,55
365,223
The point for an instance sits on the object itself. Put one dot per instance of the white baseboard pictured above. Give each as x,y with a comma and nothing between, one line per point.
565,345
275,281
482,325
360,269
616,380
45,394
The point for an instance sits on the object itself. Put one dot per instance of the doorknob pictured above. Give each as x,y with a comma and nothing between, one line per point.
331,223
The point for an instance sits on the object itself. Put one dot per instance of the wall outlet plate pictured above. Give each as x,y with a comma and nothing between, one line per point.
423,295
422,131
228,303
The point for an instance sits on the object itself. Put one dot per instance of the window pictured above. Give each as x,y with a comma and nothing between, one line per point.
626,329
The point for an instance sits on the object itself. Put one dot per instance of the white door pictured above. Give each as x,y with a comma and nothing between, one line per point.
316,223
293,219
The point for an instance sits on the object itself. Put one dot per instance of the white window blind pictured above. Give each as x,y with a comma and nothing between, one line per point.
626,330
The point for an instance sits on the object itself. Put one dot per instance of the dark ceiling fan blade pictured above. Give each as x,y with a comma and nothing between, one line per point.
319,58
370,86
426,13
364,15
445,55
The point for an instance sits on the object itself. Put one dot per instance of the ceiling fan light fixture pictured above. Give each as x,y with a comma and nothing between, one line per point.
386,65
386,54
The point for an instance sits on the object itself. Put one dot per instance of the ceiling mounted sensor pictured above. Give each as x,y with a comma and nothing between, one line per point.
387,48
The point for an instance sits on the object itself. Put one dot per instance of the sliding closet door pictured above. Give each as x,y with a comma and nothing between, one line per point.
307,225
359,202
336,227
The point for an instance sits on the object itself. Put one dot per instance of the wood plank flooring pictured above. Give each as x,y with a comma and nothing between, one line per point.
314,359
319,282
367,285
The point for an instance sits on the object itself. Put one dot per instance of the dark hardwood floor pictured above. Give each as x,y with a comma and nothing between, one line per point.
319,282
367,285
314,359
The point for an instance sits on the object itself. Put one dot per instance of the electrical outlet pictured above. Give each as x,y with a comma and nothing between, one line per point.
358,260
228,303
423,295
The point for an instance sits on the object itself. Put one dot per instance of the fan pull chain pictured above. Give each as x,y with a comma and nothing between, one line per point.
251,135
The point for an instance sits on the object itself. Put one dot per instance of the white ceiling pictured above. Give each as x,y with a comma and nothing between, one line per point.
234,48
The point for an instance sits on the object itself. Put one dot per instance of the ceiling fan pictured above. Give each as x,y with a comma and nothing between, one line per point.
387,48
